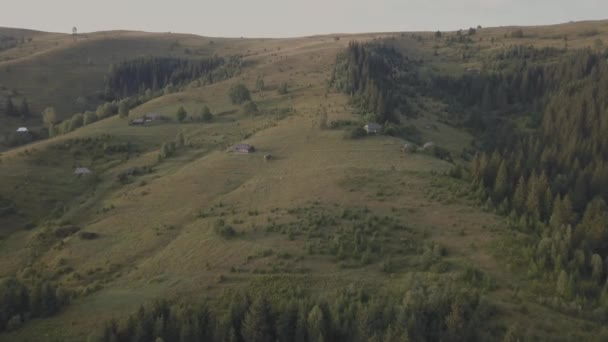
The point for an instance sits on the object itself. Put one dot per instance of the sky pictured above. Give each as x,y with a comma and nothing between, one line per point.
289,18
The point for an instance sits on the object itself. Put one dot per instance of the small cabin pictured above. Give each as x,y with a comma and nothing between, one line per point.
244,148
153,117
429,145
372,128
409,148
82,171
22,130
137,122
473,71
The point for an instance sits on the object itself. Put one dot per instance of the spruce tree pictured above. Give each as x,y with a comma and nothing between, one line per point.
181,114
316,328
9,108
520,195
180,140
532,205
547,205
24,109
206,115
501,184
258,325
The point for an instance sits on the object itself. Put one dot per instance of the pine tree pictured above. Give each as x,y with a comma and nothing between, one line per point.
181,114
287,323
532,206
258,325
519,198
557,218
259,84
206,115
547,205
597,267
9,107
562,283
123,109
501,184
180,141
316,328
24,109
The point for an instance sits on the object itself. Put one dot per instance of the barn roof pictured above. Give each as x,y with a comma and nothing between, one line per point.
243,146
81,171
373,125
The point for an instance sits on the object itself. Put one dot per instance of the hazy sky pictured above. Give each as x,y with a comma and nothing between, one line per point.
283,18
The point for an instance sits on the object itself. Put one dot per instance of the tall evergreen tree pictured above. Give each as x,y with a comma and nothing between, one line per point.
519,198
9,107
24,109
501,184
258,325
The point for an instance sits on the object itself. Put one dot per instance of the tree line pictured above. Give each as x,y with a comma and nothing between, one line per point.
419,314
135,76
20,303
551,178
378,78
21,110
540,117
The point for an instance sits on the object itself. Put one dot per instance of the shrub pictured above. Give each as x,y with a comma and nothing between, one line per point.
223,230
249,107
282,90
181,114
239,94
341,123
88,235
206,115
517,34
65,231
442,153
356,133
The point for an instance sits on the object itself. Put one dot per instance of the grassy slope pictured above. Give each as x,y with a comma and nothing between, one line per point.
152,244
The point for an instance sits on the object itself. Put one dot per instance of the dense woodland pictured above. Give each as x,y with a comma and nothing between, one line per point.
135,76
19,302
541,117
8,42
552,177
18,110
420,314
379,79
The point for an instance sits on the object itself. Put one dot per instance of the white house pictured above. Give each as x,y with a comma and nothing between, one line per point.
428,145
82,171
372,128
22,130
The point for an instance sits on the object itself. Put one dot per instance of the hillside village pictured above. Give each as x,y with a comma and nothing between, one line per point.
274,169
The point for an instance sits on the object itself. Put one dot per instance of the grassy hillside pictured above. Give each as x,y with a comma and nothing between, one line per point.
206,221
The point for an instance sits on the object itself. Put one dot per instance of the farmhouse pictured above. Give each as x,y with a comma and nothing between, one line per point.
22,130
153,117
137,122
372,128
474,71
80,171
428,145
244,148
409,148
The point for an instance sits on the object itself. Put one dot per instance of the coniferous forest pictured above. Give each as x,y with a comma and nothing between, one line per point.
135,76
540,117
421,314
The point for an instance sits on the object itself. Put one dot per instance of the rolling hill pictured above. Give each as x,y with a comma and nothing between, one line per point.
324,214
